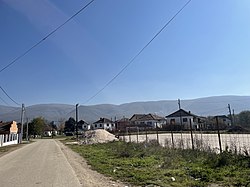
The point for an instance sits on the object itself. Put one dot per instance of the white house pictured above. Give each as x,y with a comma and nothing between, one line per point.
182,117
150,120
104,123
223,119
83,125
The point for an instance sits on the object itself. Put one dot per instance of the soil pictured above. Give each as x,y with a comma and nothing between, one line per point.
7,149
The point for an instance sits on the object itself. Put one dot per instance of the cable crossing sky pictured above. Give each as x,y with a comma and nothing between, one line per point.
46,37
134,58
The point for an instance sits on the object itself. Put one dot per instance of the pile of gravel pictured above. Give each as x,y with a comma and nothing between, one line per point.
98,136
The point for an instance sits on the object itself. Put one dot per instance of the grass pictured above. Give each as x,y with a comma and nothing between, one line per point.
150,164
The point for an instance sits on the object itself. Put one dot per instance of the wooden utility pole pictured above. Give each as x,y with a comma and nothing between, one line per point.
191,130
218,130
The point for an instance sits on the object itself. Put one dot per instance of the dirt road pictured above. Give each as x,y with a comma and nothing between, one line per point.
48,163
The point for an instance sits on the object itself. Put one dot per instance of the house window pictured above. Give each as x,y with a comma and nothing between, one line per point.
184,119
149,123
95,125
84,126
112,125
172,121
100,125
107,125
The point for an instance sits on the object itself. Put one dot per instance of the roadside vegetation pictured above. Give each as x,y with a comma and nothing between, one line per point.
153,165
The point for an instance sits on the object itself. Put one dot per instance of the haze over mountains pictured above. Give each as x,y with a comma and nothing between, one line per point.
216,105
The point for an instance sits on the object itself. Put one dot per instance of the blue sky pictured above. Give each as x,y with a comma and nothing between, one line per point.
203,52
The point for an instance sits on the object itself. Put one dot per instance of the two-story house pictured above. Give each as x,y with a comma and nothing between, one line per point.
104,123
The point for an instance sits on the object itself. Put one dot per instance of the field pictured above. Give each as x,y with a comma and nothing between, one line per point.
149,164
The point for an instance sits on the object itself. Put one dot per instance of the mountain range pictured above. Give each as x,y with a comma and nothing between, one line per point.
208,106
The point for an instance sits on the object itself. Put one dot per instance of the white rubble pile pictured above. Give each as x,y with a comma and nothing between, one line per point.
98,136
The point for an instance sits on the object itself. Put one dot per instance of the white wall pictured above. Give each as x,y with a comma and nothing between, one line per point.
8,139
86,127
177,121
107,126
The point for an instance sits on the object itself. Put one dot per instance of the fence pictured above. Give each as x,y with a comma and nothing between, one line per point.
202,141
8,139
193,139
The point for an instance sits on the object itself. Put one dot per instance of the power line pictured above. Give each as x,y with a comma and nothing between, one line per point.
14,110
4,101
46,37
71,110
9,96
133,59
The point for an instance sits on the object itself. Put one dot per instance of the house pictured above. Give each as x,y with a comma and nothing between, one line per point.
183,118
49,131
8,133
134,119
149,120
122,124
223,122
223,119
104,123
83,126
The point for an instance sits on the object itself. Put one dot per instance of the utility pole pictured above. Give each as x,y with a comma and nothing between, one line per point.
179,104
27,129
218,130
77,121
230,113
233,117
22,119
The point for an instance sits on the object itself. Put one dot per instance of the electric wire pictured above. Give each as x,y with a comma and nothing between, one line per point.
46,37
4,101
133,59
9,96
14,110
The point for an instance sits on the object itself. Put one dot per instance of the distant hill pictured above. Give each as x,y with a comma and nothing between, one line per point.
216,105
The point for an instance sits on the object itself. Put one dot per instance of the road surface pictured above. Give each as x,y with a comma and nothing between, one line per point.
41,163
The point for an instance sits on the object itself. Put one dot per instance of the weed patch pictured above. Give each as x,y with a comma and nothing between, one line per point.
149,164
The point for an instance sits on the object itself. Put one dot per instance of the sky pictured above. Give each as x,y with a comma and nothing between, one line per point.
203,52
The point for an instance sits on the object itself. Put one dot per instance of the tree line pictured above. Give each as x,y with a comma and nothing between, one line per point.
242,119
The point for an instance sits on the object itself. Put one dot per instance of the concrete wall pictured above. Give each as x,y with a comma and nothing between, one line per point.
8,139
